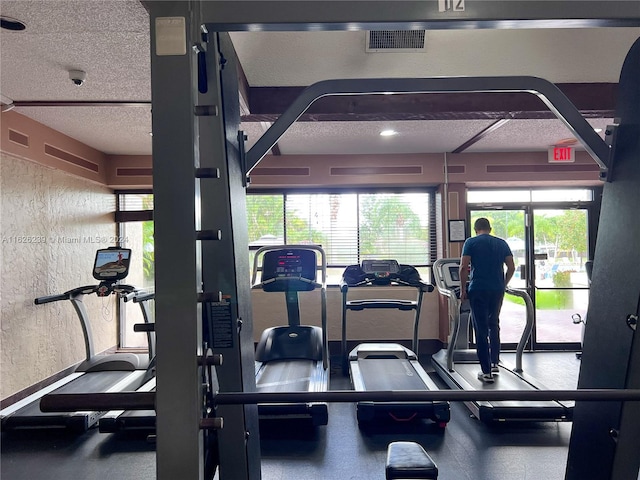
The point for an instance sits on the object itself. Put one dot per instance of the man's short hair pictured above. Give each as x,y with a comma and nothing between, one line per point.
482,224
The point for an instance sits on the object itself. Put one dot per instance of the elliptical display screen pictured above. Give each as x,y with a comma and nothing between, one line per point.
111,263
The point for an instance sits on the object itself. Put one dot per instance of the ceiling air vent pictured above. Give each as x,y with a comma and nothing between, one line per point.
395,41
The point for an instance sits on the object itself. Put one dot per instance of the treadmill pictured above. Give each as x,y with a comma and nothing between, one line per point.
137,420
388,366
293,357
458,365
97,373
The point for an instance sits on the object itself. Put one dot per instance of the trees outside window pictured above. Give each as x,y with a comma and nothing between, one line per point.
350,227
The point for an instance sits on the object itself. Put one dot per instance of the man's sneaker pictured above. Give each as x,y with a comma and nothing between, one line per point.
495,368
485,377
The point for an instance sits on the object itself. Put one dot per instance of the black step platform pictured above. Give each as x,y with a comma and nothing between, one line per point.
408,460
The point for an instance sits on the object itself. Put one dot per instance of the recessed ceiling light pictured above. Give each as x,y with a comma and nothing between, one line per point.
597,130
9,23
388,133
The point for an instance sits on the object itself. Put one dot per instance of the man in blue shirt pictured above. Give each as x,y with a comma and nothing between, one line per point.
486,255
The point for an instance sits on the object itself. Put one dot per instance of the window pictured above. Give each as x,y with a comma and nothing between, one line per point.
350,227
134,216
527,196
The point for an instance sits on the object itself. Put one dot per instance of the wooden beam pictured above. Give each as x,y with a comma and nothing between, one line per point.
593,100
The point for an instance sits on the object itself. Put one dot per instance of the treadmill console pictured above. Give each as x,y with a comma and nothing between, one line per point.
381,270
289,270
111,264
446,272
452,276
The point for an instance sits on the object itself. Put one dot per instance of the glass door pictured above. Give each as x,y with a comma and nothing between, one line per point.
561,246
550,248
510,224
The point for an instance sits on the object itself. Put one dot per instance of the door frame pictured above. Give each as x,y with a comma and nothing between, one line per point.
593,210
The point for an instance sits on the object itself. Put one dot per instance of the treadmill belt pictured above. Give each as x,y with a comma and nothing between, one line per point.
92,382
389,374
505,380
286,376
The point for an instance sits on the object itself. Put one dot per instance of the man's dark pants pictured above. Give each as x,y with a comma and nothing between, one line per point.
485,307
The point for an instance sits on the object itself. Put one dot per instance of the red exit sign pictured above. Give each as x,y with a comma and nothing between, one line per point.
562,155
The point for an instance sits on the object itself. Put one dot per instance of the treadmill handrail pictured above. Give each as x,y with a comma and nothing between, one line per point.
455,305
51,298
141,297
369,282
421,286
75,296
528,328
87,289
392,303
291,279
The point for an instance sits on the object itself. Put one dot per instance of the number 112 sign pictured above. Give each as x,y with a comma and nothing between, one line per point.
451,5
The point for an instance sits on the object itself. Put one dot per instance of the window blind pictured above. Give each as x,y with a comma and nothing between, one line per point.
350,227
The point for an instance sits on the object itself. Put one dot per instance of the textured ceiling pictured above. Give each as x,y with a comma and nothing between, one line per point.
558,55
531,135
110,41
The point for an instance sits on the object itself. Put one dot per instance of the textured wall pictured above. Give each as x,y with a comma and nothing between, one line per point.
51,226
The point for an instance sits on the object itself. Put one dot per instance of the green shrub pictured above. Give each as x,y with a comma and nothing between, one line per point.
562,279
547,299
